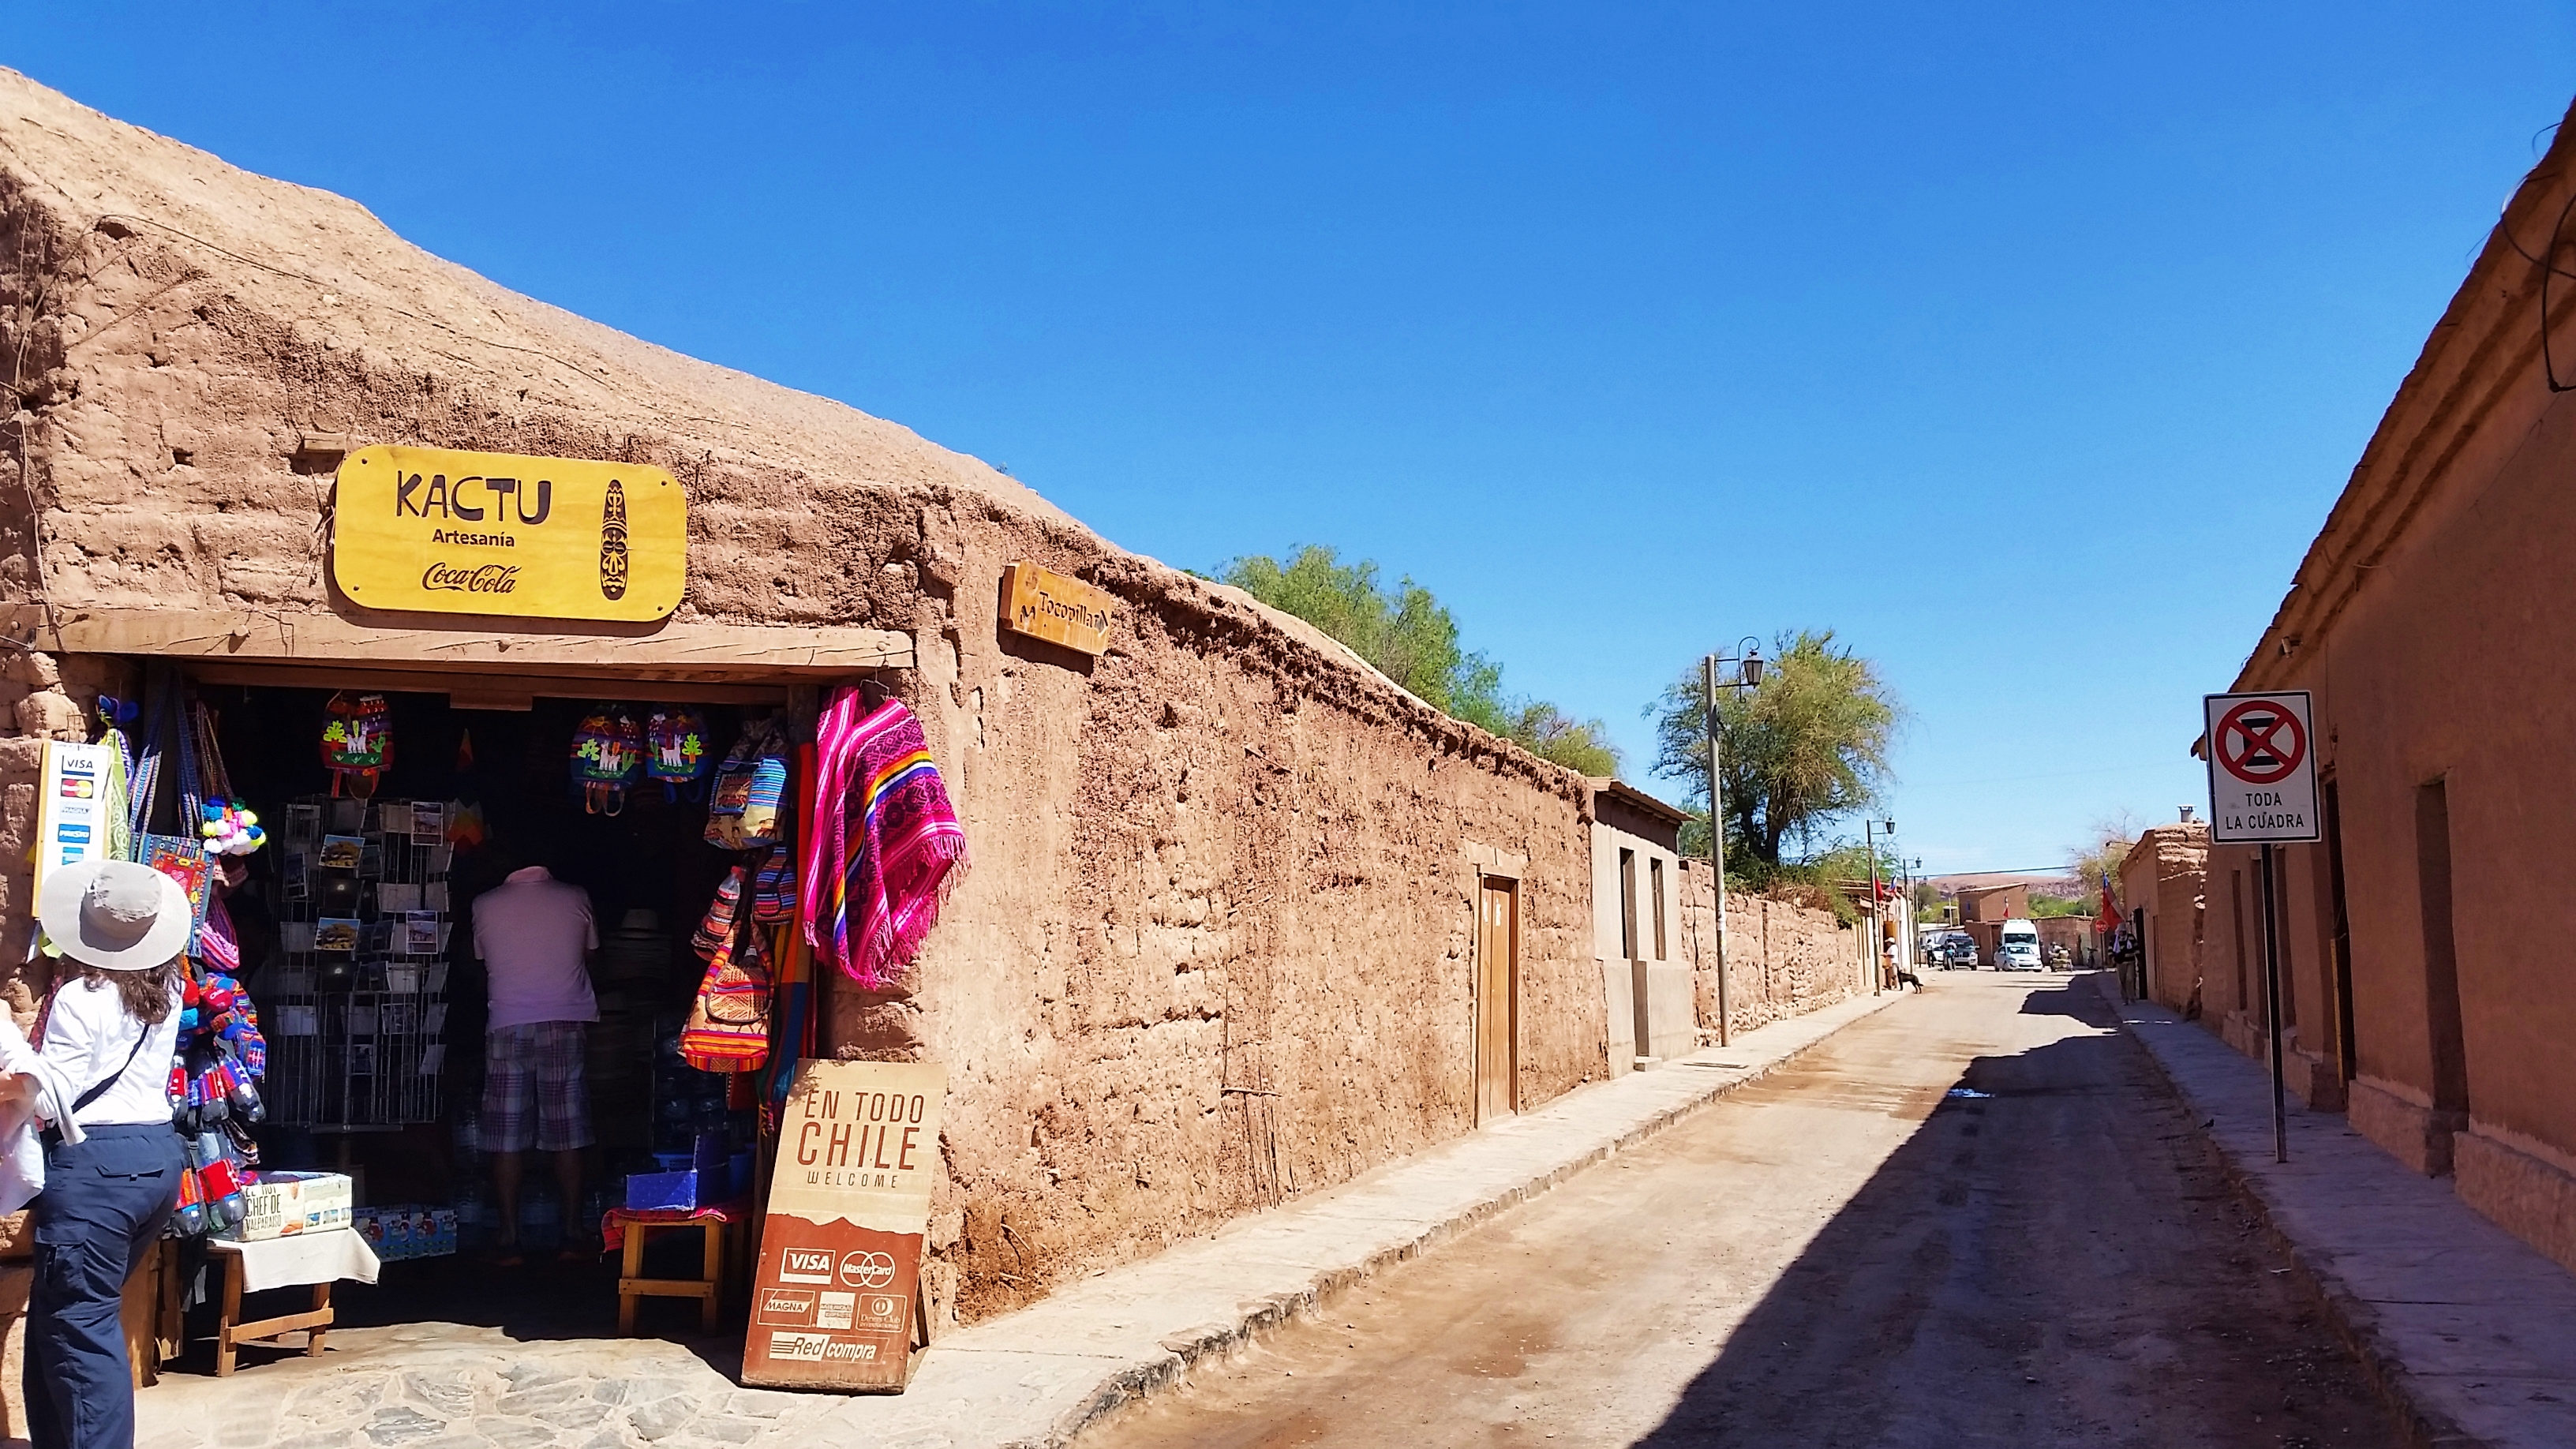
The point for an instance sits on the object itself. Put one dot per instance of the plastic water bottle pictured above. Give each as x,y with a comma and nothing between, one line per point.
473,1218
541,1220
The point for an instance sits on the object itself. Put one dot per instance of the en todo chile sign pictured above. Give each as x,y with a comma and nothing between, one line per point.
2262,768
499,533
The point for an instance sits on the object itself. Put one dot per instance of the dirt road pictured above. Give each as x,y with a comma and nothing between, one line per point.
1849,1252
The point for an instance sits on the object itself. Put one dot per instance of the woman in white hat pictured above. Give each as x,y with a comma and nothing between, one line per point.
105,1036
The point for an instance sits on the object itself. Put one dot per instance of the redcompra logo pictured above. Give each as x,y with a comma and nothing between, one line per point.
805,1265
799,1347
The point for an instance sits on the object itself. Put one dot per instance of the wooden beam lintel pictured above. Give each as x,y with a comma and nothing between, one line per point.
672,651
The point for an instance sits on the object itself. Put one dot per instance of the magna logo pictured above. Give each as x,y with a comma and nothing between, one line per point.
787,1305
806,1265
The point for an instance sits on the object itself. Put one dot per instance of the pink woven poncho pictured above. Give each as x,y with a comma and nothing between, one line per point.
884,842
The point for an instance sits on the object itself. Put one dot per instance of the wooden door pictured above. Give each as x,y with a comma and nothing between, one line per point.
1498,977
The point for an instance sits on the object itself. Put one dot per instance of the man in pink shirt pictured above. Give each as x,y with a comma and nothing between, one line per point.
536,935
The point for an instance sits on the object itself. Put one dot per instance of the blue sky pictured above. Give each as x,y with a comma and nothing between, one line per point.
2025,346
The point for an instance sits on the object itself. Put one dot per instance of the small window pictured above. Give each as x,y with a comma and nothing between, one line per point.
1655,878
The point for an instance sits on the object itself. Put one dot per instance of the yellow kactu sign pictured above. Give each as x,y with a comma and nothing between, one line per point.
500,533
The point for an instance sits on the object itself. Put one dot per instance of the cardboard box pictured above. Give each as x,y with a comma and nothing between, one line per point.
281,1204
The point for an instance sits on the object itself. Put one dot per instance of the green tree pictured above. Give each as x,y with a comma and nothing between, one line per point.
2100,856
1804,749
1408,635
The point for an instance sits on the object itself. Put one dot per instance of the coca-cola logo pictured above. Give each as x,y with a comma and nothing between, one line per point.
473,579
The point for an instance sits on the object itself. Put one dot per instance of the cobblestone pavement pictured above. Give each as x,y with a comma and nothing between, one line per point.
446,1387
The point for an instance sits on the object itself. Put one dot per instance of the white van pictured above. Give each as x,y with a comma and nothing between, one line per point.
2020,950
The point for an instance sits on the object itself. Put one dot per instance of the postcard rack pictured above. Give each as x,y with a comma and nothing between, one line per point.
356,1010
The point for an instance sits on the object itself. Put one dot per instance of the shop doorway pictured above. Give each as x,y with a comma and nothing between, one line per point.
377,1050
1497,998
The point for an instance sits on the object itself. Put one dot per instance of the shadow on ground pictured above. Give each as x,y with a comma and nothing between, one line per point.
2052,1258
541,1302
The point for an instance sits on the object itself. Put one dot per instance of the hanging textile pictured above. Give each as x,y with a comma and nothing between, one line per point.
728,1028
744,811
792,984
115,716
171,737
886,843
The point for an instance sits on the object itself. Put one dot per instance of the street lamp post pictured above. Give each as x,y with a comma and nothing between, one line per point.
1877,907
1747,665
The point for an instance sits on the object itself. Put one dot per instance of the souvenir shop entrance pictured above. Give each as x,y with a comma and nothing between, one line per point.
357,935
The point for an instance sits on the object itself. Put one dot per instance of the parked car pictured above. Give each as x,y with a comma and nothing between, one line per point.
2020,949
1959,949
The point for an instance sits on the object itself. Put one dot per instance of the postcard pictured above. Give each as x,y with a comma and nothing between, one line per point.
432,1057
402,980
397,898
362,1059
296,1021
335,933
433,1022
362,1018
422,934
295,936
342,852
428,822
393,817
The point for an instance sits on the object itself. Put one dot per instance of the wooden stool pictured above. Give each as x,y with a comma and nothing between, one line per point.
231,1333
633,1287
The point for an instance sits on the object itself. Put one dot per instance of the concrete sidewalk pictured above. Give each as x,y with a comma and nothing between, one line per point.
2469,1331
1034,1378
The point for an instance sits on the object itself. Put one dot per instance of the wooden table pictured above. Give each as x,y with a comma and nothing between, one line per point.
314,1260
719,1229
231,1332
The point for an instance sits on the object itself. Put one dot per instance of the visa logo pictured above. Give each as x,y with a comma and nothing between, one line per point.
805,1265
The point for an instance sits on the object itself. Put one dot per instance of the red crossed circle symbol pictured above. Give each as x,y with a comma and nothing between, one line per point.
2260,742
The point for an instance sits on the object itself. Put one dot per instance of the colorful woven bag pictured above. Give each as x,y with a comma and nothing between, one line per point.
728,1028
675,749
607,758
357,741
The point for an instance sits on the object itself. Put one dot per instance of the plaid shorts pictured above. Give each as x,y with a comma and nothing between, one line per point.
542,1060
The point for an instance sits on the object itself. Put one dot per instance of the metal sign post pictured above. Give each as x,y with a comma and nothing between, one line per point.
2263,791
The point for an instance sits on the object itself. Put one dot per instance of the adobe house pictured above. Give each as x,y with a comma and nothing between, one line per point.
2426,977
1636,926
2162,882
1244,919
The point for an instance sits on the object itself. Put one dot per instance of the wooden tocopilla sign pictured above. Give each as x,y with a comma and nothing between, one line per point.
1046,605
836,1300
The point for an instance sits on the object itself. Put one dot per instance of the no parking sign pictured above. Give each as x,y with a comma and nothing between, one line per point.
2262,768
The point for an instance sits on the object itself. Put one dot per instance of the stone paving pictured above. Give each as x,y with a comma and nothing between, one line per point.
1027,1380
448,1387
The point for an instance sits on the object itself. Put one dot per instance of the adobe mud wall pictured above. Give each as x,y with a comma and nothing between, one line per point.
1216,948
1783,960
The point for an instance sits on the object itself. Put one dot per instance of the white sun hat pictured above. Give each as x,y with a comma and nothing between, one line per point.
115,914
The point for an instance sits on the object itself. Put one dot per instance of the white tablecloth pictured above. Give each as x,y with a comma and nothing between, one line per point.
302,1258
